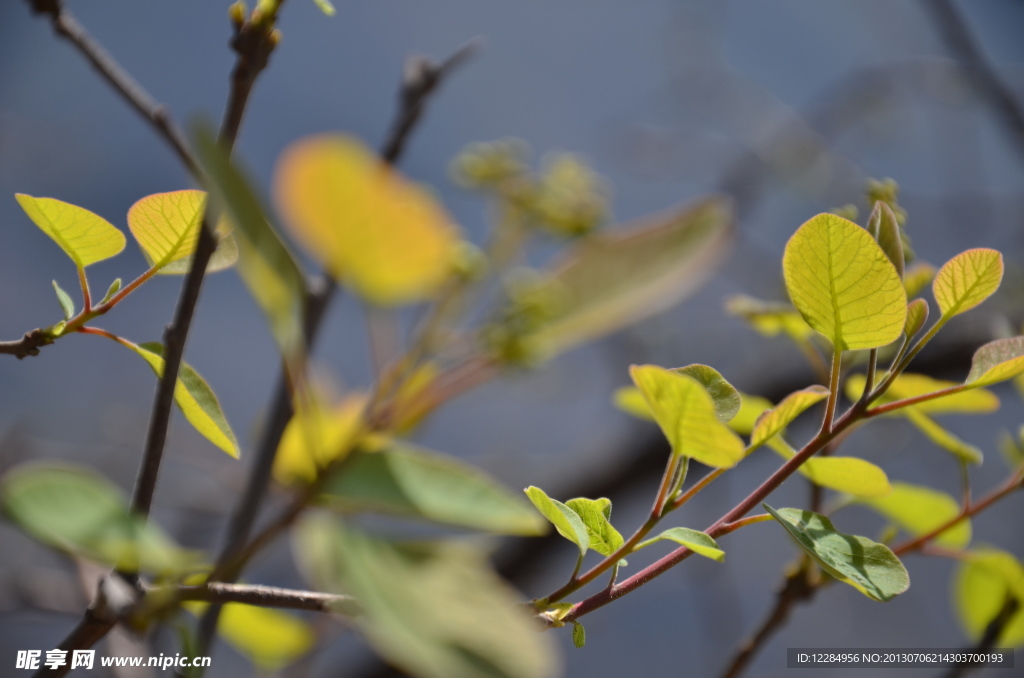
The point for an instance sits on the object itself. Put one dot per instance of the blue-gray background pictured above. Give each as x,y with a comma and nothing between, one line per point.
800,100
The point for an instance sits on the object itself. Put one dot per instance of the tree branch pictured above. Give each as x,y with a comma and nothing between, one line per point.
265,596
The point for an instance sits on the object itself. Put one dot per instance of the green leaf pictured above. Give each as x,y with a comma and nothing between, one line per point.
630,400
114,288
81,513
84,236
566,521
917,316
981,586
686,414
751,408
1012,448
885,230
433,610
851,475
966,280
596,516
409,481
917,277
919,510
844,284
997,361
776,420
698,542
194,397
266,266
167,225
66,305
870,567
725,396
770,318
579,634
616,278
941,437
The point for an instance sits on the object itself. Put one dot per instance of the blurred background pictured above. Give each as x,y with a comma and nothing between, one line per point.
788,106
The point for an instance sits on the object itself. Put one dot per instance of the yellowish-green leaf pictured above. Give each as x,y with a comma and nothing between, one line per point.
566,521
941,437
265,265
776,420
870,567
919,510
433,610
883,228
315,437
270,639
686,414
751,409
1012,448
981,587
413,482
194,397
967,279
325,6
84,236
64,299
918,277
725,396
386,237
630,400
596,516
844,284
619,277
997,361
696,541
167,225
917,316
851,475
579,634
911,385
769,318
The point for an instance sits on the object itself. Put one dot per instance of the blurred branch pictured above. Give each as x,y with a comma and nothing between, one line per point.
990,637
421,79
265,596
952,27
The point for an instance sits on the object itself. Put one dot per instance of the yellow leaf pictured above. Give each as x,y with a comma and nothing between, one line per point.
917,278
84,236
844,284
315,437
919,510
166,226
851,475
775,421
917,316
769,318
686,414
630,400
371,228
910,385
751,407
269,638
967,279
982,585
941,437
997,361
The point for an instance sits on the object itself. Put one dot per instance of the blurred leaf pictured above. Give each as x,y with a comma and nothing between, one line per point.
325,6
194,397
386,237
770,318
981,587
630,400
885,230
751,408
436,611
84,236
941,437
686,414
910,385
579,634
997,361
166,226
844,284
776,420
917,277
1012,448
725,396
410,481
617,278
316,436
917,316
596,516
851,475
266,266
81,513
566,521
966,280
696,541
409,406
268,638
66,305
919,510
869,567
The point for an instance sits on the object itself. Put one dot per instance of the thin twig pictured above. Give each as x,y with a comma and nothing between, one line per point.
989,638
265,596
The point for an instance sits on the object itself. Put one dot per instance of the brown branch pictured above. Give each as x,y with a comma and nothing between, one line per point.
266,596
27,345
990,637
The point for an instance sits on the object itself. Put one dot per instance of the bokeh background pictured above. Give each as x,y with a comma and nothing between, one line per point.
786,105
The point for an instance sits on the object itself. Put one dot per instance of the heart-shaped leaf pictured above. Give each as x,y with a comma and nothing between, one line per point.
166,226
84,236
596,516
